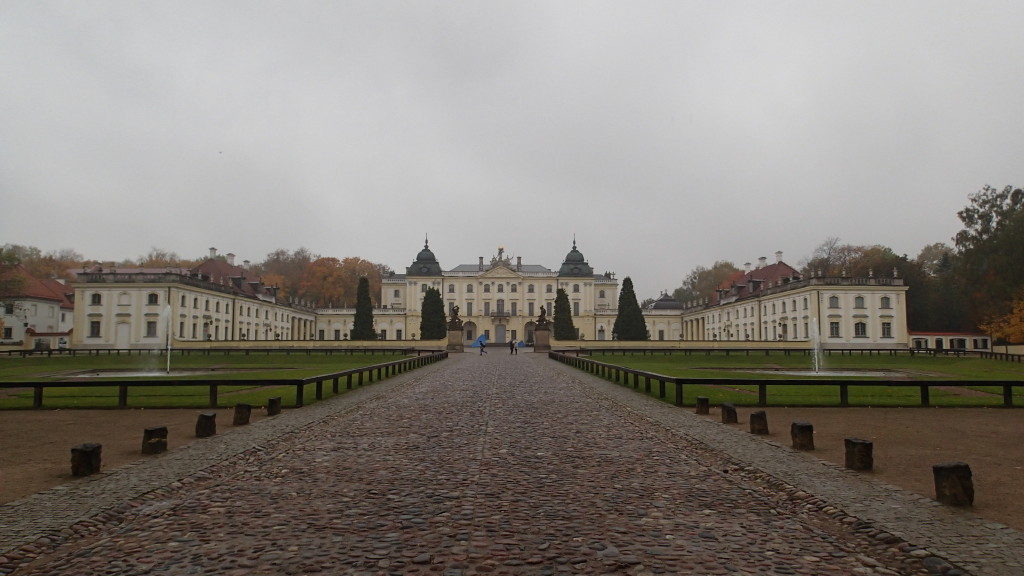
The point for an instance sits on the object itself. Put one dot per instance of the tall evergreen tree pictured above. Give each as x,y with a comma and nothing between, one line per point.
629,323
564,328
362,325
432,322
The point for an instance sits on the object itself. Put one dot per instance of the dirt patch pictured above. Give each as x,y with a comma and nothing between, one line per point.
35,445
908,441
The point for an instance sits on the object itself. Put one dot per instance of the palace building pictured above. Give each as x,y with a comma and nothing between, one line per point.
498,298
215,301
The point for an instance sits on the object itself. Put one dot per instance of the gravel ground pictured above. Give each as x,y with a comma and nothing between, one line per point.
483,464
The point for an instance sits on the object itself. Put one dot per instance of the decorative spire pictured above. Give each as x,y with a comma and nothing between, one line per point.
573,240
426,241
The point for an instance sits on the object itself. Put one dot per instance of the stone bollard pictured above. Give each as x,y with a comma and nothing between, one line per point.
242,414
85,459
273,406
729,414
759,422
703,405
859,454
154,440
803,435
206,425
953,484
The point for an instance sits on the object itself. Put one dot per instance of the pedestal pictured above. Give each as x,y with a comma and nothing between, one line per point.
455,340
541,339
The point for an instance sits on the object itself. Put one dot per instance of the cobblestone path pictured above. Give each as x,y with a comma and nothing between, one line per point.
490,464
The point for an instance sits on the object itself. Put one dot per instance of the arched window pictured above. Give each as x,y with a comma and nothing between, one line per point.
487,288
576,288
833,301
195,303
858,302
548,289
469,289
860,330
96,299
512,287
501,287
886,302
601,295
152,299
529,288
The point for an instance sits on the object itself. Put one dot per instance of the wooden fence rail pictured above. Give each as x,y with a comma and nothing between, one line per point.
623,375
352,376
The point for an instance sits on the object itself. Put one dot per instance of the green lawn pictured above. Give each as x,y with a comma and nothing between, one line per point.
254,367
740,390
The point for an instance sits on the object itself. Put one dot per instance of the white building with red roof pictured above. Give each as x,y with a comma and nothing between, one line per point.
40,315
775,302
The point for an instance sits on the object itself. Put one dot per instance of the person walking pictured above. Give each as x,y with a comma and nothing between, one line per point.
512,346
483,347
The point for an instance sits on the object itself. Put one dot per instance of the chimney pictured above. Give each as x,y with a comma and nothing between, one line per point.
213,252
762,261
519,263
231,259
778,256
746,266
480,266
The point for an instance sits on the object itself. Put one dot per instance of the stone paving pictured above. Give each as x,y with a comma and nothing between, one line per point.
491,464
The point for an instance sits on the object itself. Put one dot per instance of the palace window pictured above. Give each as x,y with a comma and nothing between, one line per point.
833,301
805,303
501,287
600,294
451,288
858,302
469,289
529,308
833,329
860,330
150,329
548,307
195,303
773,307
206,306
469,308
529,288
397,294
886,329
514,308
94,329
96,300
575,308
576,288
886,302
423,288
152,299
548,289
487,308
783,305
183,300
487,288
511,287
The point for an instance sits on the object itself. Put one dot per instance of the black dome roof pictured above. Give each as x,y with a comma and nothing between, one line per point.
575,264
425,264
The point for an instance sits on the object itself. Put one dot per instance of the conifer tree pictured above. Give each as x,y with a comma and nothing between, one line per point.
362,325
629,323
564,327
432,322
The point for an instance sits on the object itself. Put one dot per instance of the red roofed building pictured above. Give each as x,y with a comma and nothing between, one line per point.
40,315
774,302
214,301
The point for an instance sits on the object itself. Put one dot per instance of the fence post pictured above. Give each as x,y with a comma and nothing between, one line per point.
348,381
762,394
319,389
334,385
679,392
1007,395
661,388
37,397
925,398
122,396
213,395
844,395
298,394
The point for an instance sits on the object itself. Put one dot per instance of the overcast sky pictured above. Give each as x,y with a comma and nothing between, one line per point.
663,135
